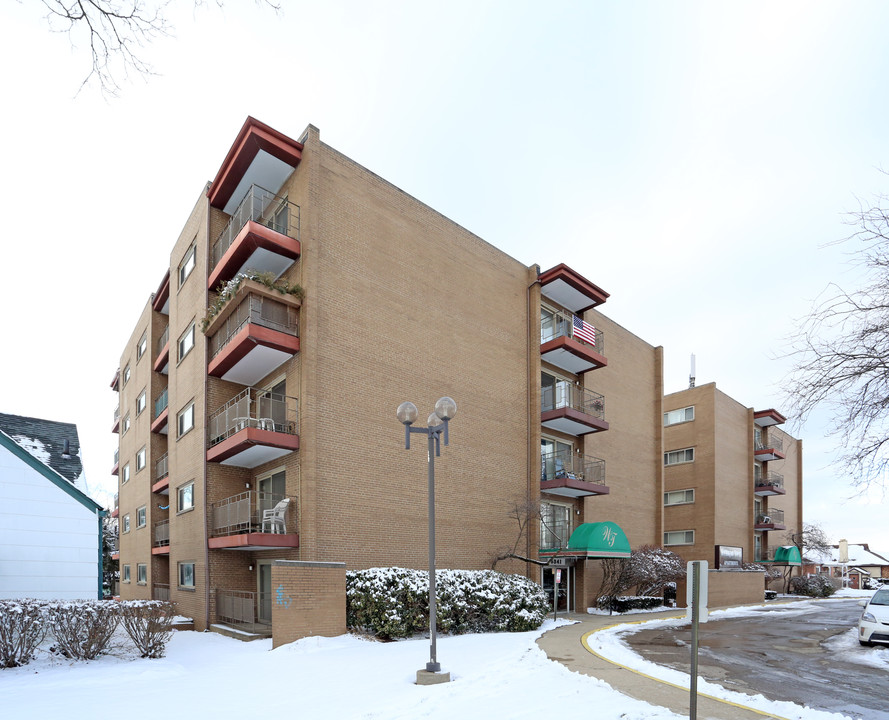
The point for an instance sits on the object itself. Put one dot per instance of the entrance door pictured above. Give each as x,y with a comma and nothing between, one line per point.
264,593
566,587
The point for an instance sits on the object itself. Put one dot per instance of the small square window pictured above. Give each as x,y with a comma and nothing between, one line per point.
125,425
142,346
126,374
125,577
187,265
141,517
142,573
126,523
125,474
186,575
140,459
186,419
185,497
186,342
140,402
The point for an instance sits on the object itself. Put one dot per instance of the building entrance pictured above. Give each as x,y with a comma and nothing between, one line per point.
566,587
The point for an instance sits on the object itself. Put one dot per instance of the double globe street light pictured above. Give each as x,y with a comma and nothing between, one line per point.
437,430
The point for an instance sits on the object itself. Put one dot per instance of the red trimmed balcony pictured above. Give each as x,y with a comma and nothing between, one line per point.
569,475
572,410
161,414
570,289
161,541
770,519
253,428
161,484
768,483
262,236
160,301
768,448
115,382
242,522
115,427
766,418
162,361
115,469
562,347
256,332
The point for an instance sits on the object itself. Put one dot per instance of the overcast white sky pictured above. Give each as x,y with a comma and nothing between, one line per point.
691,158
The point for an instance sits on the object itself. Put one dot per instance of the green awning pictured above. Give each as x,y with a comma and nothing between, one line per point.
788,555
599,540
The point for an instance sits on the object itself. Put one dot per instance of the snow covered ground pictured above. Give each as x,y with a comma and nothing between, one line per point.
499,675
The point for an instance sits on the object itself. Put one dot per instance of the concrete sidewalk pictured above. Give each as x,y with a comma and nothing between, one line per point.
564,645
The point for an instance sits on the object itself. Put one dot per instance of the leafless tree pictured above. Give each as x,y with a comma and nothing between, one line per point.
117,32
811,539
525,513
841,353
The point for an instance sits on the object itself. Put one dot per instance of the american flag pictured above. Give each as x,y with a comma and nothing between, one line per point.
584,331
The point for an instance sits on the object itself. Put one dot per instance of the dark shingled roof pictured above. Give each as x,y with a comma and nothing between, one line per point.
53,436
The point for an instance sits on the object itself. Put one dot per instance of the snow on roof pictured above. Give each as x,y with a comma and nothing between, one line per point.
859,555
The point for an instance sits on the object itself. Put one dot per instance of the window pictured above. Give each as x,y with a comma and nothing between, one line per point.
187,265
679,497
142,346
555,525
140,459
126,374
142,573
125,473
679,416
555,392
140,517
556,459
140,402
186,419
126,523
676,457
679,537
186,575
185,497
125,425
186,342
126,574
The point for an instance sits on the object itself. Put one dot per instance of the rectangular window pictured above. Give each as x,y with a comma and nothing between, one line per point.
125,425
142,346
126,374
186,342
126,574
185,497
555,525
142,573
679,497
186,419
676,457
126,523
140,459
140,402
125,473
186,575
187,265
679,537
682,415
140,517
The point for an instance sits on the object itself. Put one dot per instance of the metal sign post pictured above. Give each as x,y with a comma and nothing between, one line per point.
696,600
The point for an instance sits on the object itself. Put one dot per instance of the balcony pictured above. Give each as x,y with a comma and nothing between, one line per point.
767,418
236,523
572,410
115,426
769,448
570,289
115,469
162,359
161,414
769,483
262,235
161,542
570,475
252,428
115,511
771,519
160,300
247,611
160,591
560,346
161,484
253,334
115,383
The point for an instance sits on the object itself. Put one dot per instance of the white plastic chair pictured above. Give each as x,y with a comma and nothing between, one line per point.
274,517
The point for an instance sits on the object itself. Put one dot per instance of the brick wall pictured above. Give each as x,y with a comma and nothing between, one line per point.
308,598
728,588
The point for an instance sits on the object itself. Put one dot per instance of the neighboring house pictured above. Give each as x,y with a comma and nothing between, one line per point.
863,564
50,530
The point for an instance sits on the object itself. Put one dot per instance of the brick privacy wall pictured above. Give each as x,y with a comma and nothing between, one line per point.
307,599
728,588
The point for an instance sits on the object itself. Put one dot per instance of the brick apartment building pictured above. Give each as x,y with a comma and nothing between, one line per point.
362,298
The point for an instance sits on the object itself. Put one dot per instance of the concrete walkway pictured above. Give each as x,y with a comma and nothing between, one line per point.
565,645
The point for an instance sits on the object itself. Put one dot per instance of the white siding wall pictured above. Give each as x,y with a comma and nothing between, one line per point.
49,543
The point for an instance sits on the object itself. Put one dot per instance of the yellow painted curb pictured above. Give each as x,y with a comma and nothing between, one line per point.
660,680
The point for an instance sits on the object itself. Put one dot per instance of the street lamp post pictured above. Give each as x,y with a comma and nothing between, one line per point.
437,430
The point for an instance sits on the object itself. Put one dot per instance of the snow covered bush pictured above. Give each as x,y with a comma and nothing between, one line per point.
813,586
394,602
83,629
625,603
23,626
149,623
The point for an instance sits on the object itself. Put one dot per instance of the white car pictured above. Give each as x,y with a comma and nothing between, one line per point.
873,627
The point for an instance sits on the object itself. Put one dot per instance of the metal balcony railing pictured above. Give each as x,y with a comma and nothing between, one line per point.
261,206
116,414
116,457
160,404
161,468
242,513
566,464
769,479
162,533
560,324
246,610
163,339
774,442
160,591
565,395
258,310
257,409
772,516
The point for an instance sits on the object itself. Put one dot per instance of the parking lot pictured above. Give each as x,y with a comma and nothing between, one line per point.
808,657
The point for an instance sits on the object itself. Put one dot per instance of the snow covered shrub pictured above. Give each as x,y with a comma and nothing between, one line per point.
83,629
771,594
394,602
23,626
813,586
149,623
625,603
